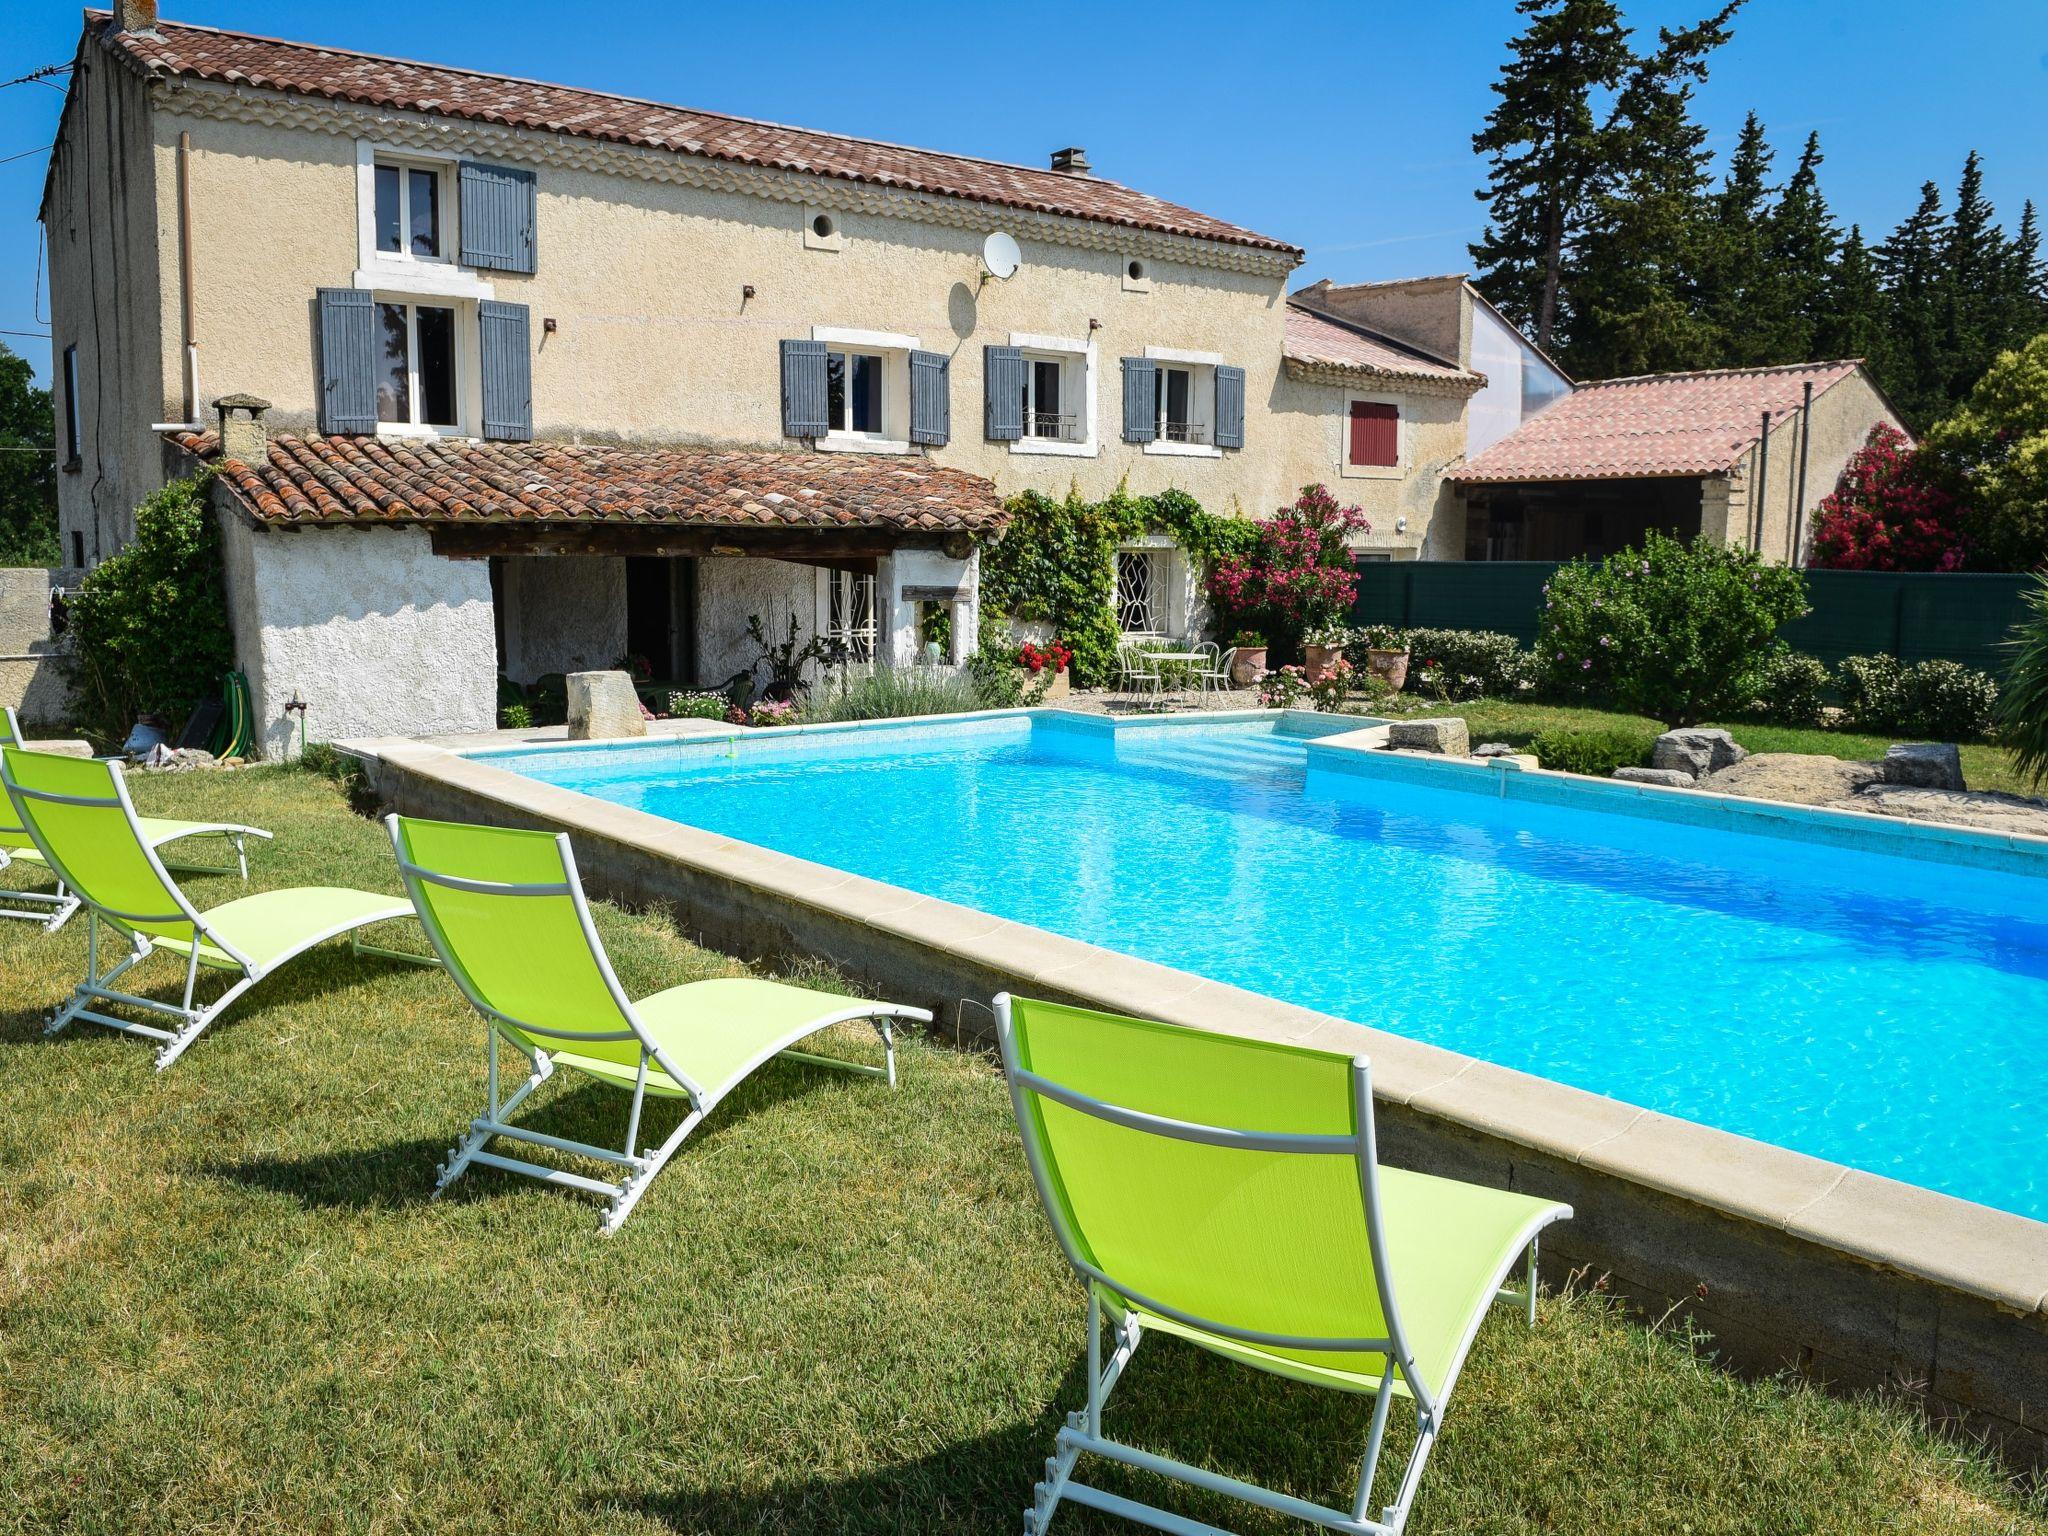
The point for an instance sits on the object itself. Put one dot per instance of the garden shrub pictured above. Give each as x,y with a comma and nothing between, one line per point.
1454,664
1869,687
698,705
1296,576
1681,632
1931,700
149,625
1597,752
515,717
889,693
1886,514
1792,689
1991,453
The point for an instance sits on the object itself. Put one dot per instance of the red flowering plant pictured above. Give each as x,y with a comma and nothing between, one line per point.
1037,658
1886,514
1297,576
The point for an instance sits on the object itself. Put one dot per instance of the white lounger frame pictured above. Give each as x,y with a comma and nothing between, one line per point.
1083,1434
189,1019
639,1168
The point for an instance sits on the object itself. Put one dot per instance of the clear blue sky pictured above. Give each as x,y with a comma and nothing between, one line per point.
1344,126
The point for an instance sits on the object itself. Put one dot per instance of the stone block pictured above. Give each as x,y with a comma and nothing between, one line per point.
603,705
1670,778
1693,752
1924,765
1447,736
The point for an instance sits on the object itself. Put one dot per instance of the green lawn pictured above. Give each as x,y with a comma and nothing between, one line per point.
226,1303
1985,766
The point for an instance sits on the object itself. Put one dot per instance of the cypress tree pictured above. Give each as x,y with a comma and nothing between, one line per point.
1802,244
1544,148
1736,283
1970,292
1852,321
1909,264
2023,296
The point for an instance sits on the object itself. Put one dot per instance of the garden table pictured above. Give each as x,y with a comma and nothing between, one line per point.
1191,663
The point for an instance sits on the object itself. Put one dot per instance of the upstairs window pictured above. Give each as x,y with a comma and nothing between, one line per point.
1051,405
1182,399
416,367
408,214
1372,435
855,387
73,438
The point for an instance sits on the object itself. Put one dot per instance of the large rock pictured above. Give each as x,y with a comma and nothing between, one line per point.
1924,765
1693,752
602,705
1798,777
1670,778
1447,736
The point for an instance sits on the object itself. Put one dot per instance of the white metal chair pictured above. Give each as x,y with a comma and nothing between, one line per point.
1135,674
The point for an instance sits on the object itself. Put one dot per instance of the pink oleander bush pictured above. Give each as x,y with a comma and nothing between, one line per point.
1297,576
1887,514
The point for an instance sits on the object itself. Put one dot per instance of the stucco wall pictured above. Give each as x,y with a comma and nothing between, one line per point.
728,590
563,613
1842,419
372,629
107,299
32,678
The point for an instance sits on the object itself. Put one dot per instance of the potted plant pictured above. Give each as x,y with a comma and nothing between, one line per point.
1386,654
1045,670
1321,647
1250,646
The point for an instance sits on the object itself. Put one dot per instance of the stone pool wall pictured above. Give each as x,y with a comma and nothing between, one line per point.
1857,1281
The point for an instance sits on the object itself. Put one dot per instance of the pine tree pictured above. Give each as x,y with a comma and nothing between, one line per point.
1636,303
1545,148
2023,295
1971,289
1853,308
1736,285
1909,265
1802,244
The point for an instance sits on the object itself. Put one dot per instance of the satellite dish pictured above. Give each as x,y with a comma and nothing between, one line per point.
1000,256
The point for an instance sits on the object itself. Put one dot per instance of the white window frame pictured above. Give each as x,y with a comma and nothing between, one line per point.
1201,370
468,391
1397,470
829,579
894,348
401,271
1076,358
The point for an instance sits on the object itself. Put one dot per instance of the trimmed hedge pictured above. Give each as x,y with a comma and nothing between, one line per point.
1593,752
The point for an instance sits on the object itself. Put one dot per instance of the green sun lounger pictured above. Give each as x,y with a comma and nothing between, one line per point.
505,910
54,909
1227,1191
78,813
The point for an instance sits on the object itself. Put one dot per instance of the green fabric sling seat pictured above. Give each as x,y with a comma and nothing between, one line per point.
1228,1191
78,812
54,909
505,910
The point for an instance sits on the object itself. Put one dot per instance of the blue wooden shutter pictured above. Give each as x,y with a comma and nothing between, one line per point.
507,370
931,405
1229,407
1141,399
496,209
1002,373
805,410
348,360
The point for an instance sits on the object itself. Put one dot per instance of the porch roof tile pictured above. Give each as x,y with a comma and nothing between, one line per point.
315,479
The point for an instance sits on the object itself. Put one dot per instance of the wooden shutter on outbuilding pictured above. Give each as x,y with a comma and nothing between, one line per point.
507,351
806,412
1229,407
1002,372
497,210
1141,400
1375,433
348,360
931,404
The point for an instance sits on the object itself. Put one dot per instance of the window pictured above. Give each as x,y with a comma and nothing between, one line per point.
72,436
854,387
1140,586
1373,435
416,366
1049,407
77,549
408,211
850,614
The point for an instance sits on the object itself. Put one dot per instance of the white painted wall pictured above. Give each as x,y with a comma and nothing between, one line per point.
563,613
1519,383
377,633
896,616
728,590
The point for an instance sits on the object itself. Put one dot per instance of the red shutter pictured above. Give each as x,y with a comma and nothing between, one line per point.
1375,433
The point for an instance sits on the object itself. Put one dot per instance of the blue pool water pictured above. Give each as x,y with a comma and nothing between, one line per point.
1879,1011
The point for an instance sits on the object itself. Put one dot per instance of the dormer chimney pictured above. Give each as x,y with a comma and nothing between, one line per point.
135,16
242,433
1072,161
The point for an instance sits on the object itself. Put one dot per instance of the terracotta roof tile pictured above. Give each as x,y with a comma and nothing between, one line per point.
336,480
1319,339
1658,424
237,58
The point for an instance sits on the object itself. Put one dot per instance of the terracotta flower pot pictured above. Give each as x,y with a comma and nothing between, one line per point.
1250,662
1390,667
1319,660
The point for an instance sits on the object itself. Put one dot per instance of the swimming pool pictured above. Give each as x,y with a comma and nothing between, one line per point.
1873,1009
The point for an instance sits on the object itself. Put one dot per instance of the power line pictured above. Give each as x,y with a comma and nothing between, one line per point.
38,335
35,76
40,149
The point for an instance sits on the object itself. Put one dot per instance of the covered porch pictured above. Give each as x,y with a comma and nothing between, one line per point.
1574,519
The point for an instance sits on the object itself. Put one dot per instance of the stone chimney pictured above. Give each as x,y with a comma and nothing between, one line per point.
1071,161
135,16
242,433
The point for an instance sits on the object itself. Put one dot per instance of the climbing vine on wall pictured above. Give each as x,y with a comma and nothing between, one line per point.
1056,562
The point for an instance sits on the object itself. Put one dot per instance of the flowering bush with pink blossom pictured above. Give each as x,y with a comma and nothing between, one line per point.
1887,514
1680,632
1297,576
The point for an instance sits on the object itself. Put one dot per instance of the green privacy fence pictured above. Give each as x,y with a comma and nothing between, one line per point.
1912,615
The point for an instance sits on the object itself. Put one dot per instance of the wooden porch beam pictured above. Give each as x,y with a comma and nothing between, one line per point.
825,546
